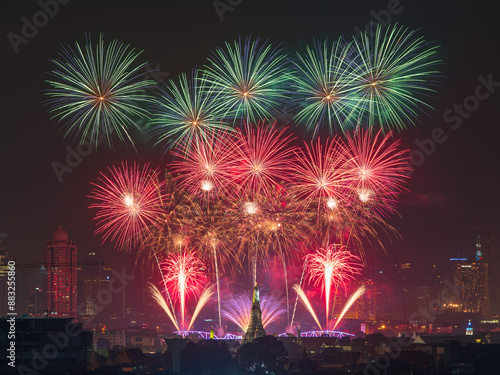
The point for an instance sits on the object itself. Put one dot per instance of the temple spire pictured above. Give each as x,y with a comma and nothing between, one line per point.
255,328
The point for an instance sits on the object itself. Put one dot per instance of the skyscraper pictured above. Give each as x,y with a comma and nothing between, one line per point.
471,281
60,260
482,237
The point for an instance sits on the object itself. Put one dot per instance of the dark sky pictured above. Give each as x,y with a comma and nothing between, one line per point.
458,181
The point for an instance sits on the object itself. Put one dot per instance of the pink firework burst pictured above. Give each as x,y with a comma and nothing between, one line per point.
184,274
331,267
204,166
128,202
319,173
263,158
377,168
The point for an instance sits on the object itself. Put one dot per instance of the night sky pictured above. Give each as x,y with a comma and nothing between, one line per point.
455,183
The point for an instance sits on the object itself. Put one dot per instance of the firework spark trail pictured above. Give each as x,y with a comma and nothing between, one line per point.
297,298
238,309
202,301
158,297
306,303
358,293
128,203
329,267
217,284
99,92
183,275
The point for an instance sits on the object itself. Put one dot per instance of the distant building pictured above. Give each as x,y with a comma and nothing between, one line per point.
47,346
60,260
471,279
469,331
34,302
482,237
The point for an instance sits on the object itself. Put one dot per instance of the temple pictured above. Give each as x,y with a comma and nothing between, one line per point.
255,328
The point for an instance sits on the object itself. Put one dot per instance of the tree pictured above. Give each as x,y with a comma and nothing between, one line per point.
263,355
207,355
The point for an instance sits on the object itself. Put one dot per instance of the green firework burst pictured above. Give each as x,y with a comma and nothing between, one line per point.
98,91
251,78
324,86
395,71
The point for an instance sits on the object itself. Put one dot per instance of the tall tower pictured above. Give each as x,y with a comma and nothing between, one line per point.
60,260
482,242
255,328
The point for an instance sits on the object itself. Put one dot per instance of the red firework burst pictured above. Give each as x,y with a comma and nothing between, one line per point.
377,168
128,202
319,173
263,158
204,166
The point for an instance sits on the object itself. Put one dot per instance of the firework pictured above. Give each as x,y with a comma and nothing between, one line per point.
183,275
185,111
238,309
158,298
202,301
324,86
305,301
262,160
98,91
377,169
395,68
331,267
129,204
358,293
319,174
251,78
205,168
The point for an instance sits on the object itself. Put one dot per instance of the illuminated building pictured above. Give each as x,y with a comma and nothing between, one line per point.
255,328
471,280
34,302
482,237
469,331
60,260
94,278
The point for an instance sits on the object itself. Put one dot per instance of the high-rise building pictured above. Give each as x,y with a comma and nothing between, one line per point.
60,260
34,302
471,280
483,241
